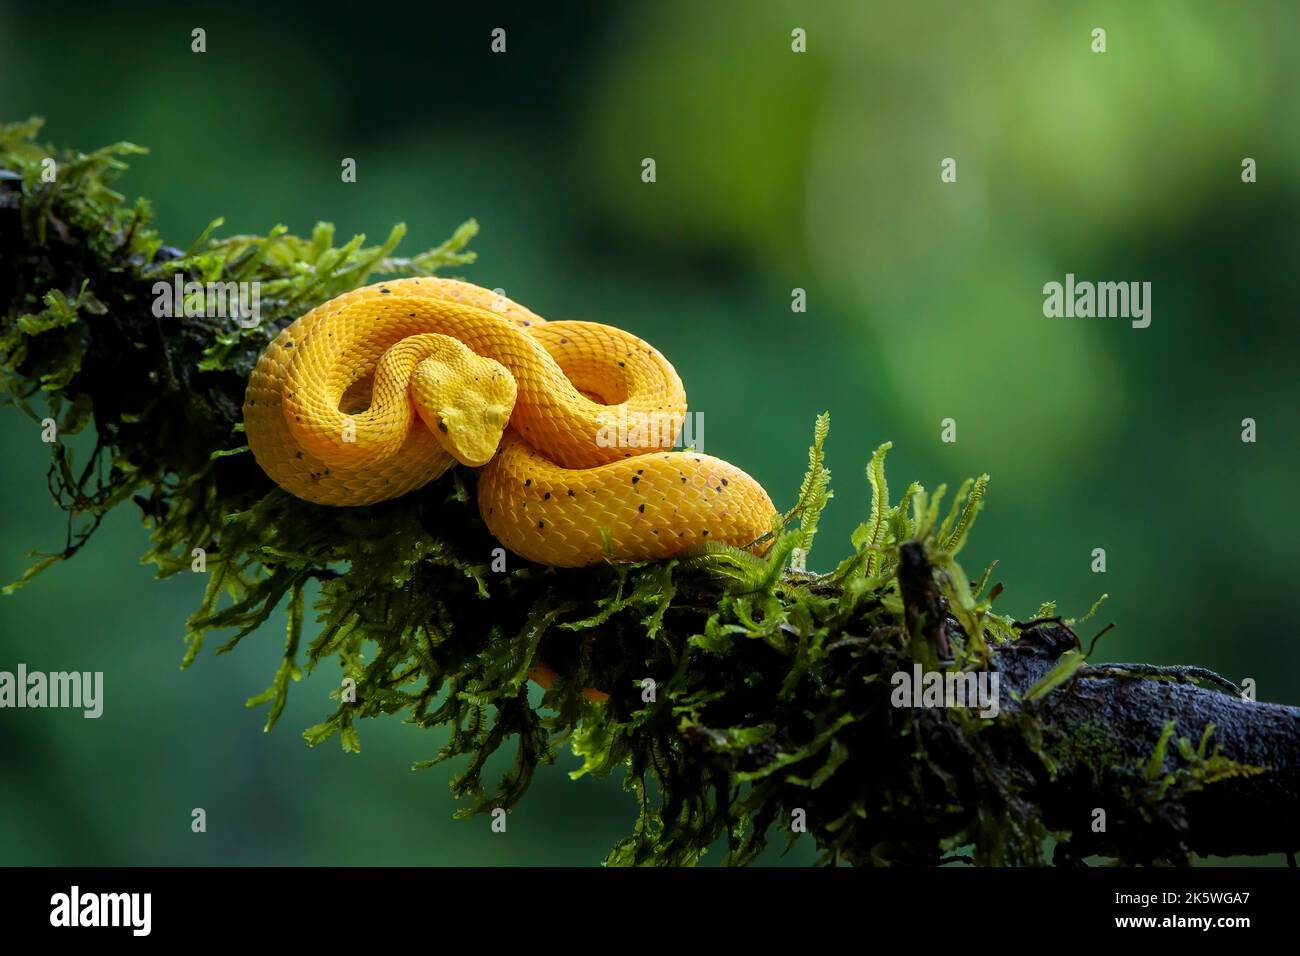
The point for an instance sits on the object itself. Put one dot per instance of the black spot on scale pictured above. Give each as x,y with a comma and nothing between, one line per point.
641,508
622,365
528,482
706,532
386,291
442,426
724,481
547,496
571,494
640,471
635,479
541,524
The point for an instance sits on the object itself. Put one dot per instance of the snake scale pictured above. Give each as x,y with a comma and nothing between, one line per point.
380,390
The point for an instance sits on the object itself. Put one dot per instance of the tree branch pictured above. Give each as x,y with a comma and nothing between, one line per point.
1105,729
742,697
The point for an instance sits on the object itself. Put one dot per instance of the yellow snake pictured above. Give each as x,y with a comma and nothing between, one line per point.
380,390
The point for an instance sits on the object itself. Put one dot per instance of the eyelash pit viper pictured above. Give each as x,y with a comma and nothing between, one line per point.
380,390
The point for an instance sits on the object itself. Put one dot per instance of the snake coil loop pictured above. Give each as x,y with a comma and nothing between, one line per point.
542,407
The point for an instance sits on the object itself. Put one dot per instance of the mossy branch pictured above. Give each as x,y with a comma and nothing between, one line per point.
742,696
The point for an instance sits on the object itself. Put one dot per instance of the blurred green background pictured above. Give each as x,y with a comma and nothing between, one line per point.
775,170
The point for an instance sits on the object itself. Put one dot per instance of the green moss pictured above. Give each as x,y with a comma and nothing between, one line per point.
1090,746
768,707
1189,768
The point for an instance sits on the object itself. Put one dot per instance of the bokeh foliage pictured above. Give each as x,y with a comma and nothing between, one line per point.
924,303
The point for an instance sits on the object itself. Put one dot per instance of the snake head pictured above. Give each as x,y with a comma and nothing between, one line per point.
465,399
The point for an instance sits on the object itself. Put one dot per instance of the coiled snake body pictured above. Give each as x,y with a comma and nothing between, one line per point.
331,415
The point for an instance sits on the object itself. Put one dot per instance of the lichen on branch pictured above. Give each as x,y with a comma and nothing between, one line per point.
743,697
